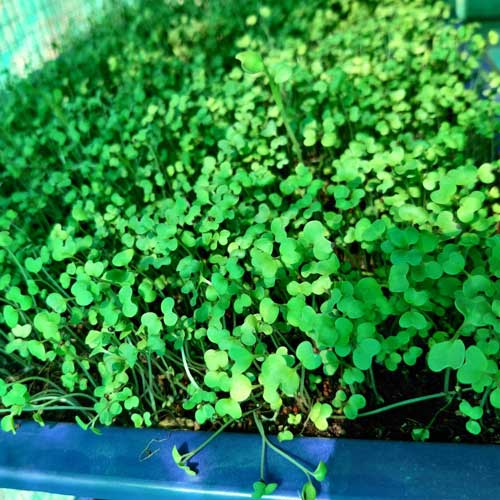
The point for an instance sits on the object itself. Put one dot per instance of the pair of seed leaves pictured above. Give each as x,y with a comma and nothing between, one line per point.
312,238
474,413
321,412
252,63
276,375
238,384
309,490
14,396
473,366
260,488
47,323
180,461
363,354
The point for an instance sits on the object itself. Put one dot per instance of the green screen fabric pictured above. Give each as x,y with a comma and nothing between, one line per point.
31,29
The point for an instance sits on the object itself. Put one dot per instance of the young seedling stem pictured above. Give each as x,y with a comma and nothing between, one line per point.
309,474
404,403
278,99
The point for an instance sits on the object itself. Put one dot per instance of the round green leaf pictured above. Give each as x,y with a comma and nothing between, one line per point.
413,319
121,259
447,354
364,353
22,331
251,61
475,366
454,264
10,315
7,424
495,398
319,415
473,427
47,324
56,302
354,404
37,349
216,359
268,310
227,406
167,308
307,356
33,265
241,387
282,72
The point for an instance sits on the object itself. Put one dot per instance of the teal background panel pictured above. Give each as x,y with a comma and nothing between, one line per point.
31,30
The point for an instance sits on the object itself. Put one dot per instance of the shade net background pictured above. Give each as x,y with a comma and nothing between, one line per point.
31,31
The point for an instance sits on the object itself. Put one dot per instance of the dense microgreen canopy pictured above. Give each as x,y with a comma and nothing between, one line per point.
215,209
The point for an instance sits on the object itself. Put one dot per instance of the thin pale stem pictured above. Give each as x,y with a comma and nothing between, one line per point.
262,458
373,385
447,380
429,425
151,383
485,397
277,450
186,368
275,91
401,403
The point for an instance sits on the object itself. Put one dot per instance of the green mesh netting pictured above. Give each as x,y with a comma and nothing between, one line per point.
31,29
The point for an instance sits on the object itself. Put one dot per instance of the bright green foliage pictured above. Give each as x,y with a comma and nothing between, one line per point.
295,419
364,353
241,387
420,434
206,204
319,415
260,488
308,492
228,406
285,435
251,61
495,398
477,369
355,403
307,356
447,354
178,460
268,310
474,413
276,375
320,471
7,424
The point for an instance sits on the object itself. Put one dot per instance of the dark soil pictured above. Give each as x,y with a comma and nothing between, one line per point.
397,424
447,425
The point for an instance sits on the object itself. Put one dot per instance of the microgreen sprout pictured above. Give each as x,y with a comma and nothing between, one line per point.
319,474
189,239
253,63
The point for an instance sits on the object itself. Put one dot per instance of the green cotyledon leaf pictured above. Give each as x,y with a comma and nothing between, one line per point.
447,354
251,61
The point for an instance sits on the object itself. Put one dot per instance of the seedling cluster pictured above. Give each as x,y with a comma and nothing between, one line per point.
211,212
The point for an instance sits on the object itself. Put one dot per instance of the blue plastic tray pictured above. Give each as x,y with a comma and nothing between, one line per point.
62,458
